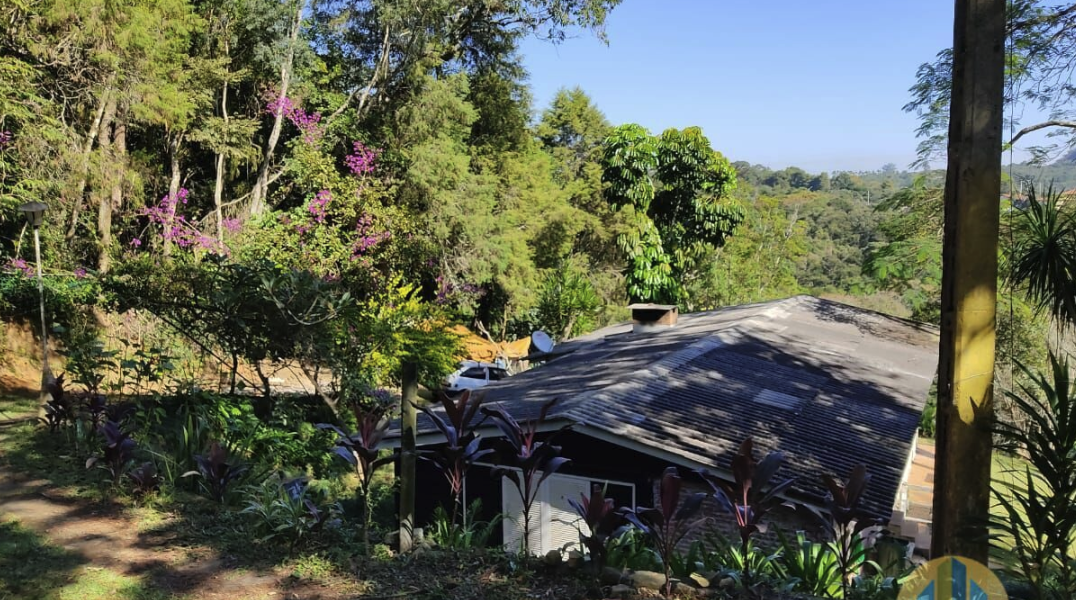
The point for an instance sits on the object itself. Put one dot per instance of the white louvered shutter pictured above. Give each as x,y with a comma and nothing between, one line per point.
512,507
563,524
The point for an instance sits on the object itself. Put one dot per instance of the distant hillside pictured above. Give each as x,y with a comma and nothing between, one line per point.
1061,174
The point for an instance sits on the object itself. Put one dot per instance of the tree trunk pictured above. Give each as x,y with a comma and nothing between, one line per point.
104,201
218,188
408,455
174,147
969,282
261,186
87,148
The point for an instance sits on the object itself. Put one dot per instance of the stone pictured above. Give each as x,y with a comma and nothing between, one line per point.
553,558
621,591
392,538
575,559
700,581
648,580
726,583
611,576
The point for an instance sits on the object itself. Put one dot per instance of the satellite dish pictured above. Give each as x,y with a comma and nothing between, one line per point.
542,341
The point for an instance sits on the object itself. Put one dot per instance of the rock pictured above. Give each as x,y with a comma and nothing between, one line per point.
621,591
575,559
726,583
700,581
553,558
392,538
648,580
611,576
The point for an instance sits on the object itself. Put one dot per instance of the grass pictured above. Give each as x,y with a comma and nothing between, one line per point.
34,569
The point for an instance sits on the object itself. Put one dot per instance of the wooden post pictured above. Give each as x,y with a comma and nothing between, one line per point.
969,282
408,455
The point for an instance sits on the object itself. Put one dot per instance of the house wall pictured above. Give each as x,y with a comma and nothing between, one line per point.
715,522
600,460
590,458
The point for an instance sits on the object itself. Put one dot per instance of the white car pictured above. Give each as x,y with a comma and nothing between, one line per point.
473,374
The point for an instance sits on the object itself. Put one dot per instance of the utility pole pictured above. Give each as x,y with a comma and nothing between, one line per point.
969,282
408,473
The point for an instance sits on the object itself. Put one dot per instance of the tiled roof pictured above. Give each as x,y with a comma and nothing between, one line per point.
828,384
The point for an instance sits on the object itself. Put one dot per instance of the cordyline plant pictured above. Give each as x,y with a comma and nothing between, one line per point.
526,462
599,515
361,450
145,478
60,408
749,496
117,452
461,448
667,524
218,474
851,532
95,409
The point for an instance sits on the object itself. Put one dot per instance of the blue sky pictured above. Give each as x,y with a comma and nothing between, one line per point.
817,84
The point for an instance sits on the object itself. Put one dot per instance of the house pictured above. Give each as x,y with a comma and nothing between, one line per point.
828,384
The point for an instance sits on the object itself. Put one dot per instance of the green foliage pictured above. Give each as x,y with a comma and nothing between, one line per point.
1043,261
675,189
629,548
218,472
761,262
811,566
464,535
1034,524
289,510
567,302
737,559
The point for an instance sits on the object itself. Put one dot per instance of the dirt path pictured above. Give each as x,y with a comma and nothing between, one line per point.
105,537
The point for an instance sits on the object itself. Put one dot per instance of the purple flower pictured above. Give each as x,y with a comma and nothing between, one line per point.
362,158
18,264
318,205
136,242
79,273
5,139
233,225
309,124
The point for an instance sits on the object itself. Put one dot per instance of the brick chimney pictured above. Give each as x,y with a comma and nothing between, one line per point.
648,317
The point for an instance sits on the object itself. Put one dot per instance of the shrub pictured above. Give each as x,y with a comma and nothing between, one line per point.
734,559
445,532
669,523
145,478
217,472
60,408
750,496
461,448
117,451
629,548
1034,525
527,462
811,567
599,516
289,510
851,531
361,450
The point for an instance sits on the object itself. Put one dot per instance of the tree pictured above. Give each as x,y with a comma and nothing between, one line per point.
1039,67
675,190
